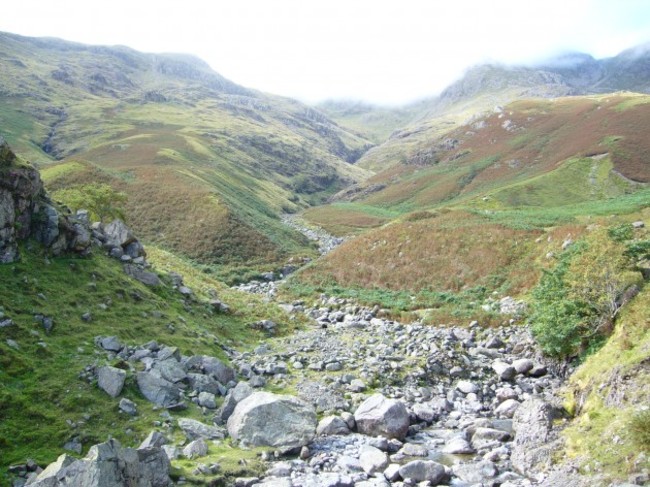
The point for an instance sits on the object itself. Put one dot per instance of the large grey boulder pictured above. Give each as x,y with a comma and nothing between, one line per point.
379,415
195,429
158,390
118,234
266,419
235,395
108,465
171,370
423,470
145,277
532,424
332,425
372,459
111,380
216,368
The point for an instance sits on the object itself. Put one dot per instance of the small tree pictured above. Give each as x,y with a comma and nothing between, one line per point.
102,201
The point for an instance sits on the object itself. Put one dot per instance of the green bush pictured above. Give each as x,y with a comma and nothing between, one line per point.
640,428
621,233
557,318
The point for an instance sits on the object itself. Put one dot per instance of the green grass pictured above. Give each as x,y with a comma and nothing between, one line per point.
41,393
590,437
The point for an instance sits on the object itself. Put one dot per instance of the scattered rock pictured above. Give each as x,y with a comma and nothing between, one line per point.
111,380
379,415
266,419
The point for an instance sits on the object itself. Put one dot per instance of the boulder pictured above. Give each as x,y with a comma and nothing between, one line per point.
379,415
423,470
195,429
332,425
266,419
523,365
503,370
155,439
475,473
216,368
128,407
111,380
467,387
458,446
372,459
145,277
235,395
207,400
118,234
158,390
507,408
108,465
195,449
110,344
532,424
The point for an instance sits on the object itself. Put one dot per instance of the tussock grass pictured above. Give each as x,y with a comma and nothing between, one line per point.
43,403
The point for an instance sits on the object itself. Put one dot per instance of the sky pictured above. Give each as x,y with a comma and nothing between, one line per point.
385,52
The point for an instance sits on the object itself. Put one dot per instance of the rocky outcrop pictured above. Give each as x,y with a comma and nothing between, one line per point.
266,419
26,211
108,465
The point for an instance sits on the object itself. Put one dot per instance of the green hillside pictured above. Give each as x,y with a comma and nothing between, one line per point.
187,146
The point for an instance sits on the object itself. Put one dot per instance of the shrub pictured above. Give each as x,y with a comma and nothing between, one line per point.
621,233
101,200
640,428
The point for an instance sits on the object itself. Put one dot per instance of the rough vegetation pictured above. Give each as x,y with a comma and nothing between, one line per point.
479,315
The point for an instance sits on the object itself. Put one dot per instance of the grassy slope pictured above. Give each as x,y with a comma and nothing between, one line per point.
187,146
607,392
41,395
373,122
469,221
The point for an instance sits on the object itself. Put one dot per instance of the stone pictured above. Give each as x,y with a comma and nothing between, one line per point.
128,407
108,465
111,380
503,370
145,277
414,450
392,472
235,395
118,234
467,387
379,415
423,470
523,365
332,425
207,400
204,383
48,477
475,473
458,446
357,385
424,412
372,459
110,344
155,439
171,370
158,390
266,419
194,429
532,424
487,436
507,408
216,368
196,449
